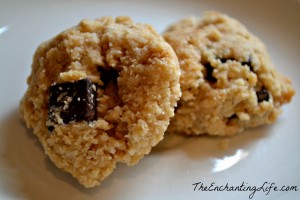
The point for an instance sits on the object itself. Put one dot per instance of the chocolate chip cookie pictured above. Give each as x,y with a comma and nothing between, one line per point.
100,93
228,81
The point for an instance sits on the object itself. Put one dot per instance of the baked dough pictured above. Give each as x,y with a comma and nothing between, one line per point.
228,82
99,93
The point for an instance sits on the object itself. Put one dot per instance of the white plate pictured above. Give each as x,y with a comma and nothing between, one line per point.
266,154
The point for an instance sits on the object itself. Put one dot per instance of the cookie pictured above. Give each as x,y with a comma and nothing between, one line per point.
228,81
100,93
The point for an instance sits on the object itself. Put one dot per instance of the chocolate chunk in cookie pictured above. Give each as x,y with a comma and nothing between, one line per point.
244,63
73,101
107,75
209,73
249,64
262,95
224,60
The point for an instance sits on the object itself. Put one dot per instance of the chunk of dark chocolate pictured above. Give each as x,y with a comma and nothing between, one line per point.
108,74
224,60
249,64
71,101
209,73
232,120
262,95
234,116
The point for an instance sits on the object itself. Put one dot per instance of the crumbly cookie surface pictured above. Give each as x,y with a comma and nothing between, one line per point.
228,81
99,93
